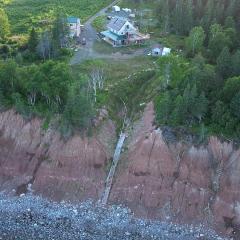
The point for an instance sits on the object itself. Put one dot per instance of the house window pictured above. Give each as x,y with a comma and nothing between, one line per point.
127,26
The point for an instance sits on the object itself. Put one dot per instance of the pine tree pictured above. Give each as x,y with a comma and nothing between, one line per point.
195,40
235,105
33,41
236,63
188,16
224,65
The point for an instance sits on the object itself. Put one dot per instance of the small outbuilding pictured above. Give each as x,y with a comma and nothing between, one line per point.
116,8
159,50
166,51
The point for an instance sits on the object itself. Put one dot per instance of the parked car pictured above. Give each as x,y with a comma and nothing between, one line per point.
84,42
109,17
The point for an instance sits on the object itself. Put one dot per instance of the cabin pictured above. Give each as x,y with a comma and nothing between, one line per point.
121,32
74,24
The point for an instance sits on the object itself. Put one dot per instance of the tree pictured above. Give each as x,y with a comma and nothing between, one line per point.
229,22
231,88
224,65
164,15
218,40
195,40
33,41
44,47
236,63
60,31
163,107
78,111
188,16
96,80
235,105
4,24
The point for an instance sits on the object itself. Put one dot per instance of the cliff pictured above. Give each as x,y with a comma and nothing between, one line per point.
41,160
179,181
155,178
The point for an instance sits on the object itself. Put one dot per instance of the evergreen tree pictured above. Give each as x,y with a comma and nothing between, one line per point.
188,16
4,24
218,40
224,65
195,40
235,105
33,41
236,63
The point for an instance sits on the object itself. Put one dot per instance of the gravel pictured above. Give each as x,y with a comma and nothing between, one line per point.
32,217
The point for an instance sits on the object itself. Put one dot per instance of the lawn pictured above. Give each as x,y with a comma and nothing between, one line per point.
23,14
105,48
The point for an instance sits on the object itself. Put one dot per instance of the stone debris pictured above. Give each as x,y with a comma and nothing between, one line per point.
31,217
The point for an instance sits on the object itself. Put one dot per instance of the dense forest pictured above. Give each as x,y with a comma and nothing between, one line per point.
201,87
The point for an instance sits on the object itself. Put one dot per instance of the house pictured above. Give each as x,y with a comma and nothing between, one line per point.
122,32
116,8
74,24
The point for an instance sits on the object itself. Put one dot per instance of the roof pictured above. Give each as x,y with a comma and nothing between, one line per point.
166,51
117,23
72,19
111,35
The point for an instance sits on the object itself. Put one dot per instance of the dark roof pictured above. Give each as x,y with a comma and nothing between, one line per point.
72,19
117,23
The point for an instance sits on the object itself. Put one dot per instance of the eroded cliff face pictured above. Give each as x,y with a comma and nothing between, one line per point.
155,178
70,170
178,181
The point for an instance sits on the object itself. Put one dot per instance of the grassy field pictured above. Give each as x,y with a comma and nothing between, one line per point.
23,14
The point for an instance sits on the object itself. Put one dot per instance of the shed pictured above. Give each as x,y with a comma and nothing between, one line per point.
116,8
166,51
157,50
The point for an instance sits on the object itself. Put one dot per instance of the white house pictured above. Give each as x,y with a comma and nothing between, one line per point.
121,32
74,24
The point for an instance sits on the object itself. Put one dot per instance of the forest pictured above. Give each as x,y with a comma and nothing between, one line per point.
198,85
200,88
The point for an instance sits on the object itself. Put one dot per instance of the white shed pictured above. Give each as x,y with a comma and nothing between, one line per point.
116,8
166,51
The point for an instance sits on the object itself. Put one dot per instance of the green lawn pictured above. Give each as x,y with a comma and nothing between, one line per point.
23,14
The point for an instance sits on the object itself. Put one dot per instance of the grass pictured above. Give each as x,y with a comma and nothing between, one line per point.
105,48
23,14
117,84
99,23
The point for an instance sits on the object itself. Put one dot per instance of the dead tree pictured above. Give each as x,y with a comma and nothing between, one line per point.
96,80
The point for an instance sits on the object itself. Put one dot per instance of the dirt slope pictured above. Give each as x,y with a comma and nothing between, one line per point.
177,181
61,170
